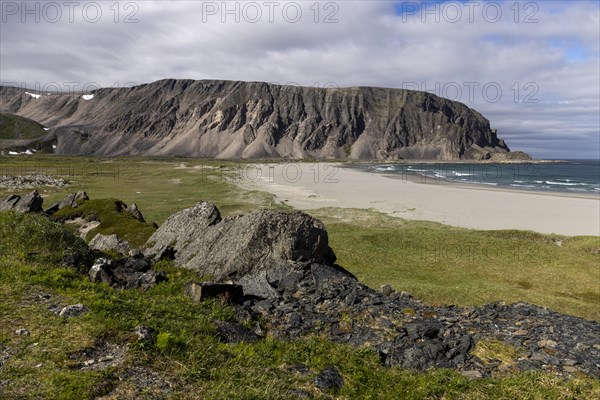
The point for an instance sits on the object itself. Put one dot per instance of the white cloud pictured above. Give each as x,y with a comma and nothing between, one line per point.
370,44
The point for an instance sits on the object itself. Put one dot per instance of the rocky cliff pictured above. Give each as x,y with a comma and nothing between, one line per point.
227,119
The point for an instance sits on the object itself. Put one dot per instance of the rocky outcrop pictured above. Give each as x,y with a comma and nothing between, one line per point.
292,288
516,156
28,203
72,200
109,243
303,299
228,119
137,214
127,273
20,182
237,246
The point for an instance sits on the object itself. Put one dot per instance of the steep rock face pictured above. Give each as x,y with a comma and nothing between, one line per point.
229,119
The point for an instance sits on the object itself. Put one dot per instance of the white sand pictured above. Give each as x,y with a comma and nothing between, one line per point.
315,185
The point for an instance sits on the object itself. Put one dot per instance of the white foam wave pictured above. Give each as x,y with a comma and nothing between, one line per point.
566,183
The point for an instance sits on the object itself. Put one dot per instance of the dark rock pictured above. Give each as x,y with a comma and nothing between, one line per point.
245,244
145,334
329,380
147,280
324,274
235,333
136,253
127,273
101,272
165,253
75,260
386,290
210,290
22,332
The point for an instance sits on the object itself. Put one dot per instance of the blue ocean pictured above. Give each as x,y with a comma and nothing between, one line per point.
569,176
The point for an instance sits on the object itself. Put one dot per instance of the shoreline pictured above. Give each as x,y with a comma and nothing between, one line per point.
418,179
324,185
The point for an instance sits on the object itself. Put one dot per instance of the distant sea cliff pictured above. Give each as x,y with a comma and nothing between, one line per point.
250,120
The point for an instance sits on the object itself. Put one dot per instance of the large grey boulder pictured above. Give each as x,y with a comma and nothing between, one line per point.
31,202
237,246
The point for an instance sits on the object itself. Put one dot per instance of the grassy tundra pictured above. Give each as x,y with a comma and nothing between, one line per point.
437,263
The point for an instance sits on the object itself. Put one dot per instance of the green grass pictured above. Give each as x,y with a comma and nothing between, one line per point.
29,237
113,219
446,265
437,263
15,127
159,186
189,355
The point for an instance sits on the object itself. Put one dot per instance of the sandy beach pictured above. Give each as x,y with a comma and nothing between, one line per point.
309,186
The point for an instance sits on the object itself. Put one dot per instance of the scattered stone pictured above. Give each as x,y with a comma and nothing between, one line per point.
386,290
21,182
135,253
73,311
127,273
547,343
145,334
101,272
300,394
28,203
133,210
99,357
109,243
210,290
55,308
472,374
329,380
235,333
22,332
72,200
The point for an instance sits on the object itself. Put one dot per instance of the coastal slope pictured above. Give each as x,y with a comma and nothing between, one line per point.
232,119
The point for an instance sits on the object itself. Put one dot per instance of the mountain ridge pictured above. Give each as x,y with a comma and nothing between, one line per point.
236,119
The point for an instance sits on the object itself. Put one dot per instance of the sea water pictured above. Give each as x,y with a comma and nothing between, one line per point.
570,176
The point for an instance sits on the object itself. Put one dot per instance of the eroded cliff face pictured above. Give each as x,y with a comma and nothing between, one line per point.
227,119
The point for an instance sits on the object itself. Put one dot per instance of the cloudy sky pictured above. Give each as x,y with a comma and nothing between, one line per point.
532,68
